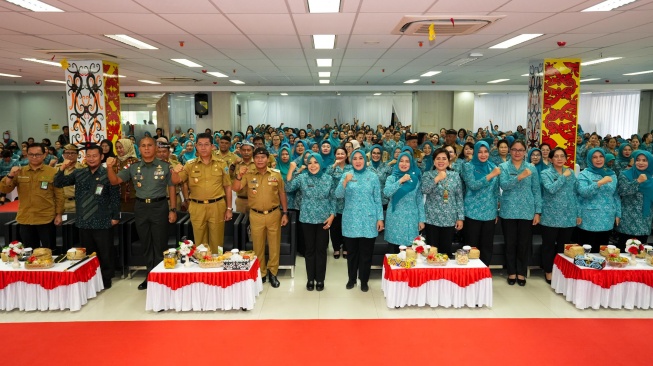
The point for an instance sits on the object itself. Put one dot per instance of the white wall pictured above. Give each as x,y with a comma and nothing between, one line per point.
27,113
9,114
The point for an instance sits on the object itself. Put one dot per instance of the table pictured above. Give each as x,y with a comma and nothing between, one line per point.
616,288
202,289
49,289
451,285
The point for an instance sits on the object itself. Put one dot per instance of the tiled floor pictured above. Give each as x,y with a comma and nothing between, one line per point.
291,301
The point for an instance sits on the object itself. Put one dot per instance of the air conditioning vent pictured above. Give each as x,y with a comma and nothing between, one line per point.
79,54
463,25
180,79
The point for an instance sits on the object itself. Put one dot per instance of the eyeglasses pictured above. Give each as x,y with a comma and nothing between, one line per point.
34,155
70,153
376,153
559,157
521,151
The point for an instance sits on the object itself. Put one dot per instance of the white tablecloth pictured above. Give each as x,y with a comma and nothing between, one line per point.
28,297
584,293
439,292
200,296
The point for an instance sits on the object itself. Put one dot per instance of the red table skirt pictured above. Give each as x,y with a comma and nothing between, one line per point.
416,277
176,280
603,278
51,279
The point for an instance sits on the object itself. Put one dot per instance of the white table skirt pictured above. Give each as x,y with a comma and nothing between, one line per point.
438,293
585,294
29,297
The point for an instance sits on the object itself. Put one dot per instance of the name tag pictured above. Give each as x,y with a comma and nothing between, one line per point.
98,189
44,185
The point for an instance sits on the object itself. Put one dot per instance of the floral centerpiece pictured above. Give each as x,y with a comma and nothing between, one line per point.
186,249
635,248
13,250
419,245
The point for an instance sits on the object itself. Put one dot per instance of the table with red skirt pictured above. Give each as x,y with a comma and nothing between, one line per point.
56,288
630,287
451,285
202,289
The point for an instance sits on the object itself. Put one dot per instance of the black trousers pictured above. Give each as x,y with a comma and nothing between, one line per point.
36,236
301,246
100,241
518,235
553,242
594,238
624,237
336,233
151,221
317,240
480,234
359,258
440,237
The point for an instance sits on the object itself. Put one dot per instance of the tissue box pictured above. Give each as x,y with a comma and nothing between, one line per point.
239,265
591,262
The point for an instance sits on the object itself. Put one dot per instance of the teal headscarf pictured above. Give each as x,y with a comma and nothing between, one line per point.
295,155
364,160
481,169
620,154
428,159
376,164
318,158
539,166
409,185
186,156
646,187
330,158
284,167
603,171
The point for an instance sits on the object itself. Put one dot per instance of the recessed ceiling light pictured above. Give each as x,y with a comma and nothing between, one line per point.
482,93
411,81
324,62
324,81
497,81
35,5
186,62
52,63
123,38
217,74
324,41
517,40
237,81
430,73
377,93
590,79
113,76
587,93
284,94
475,54
526,74
600,60
639,72
609,5
56,81
323,6
324,74
10,75
149,82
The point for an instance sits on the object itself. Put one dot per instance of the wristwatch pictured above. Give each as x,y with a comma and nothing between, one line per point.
173,210
285,212
230,208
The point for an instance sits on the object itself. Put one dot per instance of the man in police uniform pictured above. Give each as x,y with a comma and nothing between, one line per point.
268,210
259,142
152,178
210,187
247,162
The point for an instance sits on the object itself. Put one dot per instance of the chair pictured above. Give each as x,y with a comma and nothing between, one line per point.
288,250
231,232
5,235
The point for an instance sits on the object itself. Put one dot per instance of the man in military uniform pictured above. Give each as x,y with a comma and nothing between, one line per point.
245,161
163,154
268,210
210,187
151,178
70,153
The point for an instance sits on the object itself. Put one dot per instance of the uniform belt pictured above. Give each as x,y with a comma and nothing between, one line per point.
265,212
207,201
71,199
151,200
243,197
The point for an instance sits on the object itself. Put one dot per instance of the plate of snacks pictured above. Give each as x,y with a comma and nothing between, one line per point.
617,261
439,259
211,261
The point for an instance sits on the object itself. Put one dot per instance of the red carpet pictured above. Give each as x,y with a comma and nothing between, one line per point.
332,342
10,207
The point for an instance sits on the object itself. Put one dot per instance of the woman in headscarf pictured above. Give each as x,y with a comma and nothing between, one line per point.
598,202
635,188
428,148
334,139
298,151
316,215
283,164
127,156
327,154
381,169
189,152
405,213
315,147
362,218
535,158
444,211
107,150
336,171
625,160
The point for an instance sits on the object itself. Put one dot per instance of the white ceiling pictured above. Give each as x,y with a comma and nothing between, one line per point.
267,43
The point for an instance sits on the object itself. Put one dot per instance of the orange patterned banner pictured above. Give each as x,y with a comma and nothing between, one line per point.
560,105
112,100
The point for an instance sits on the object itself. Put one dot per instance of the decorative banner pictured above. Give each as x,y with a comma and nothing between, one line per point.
112,101
560,105
534,120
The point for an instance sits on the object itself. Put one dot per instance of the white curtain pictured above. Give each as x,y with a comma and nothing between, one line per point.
615,113
403,106
508,110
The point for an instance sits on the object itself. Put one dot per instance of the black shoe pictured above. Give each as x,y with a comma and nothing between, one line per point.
274,282
107,284
310,285
319,286
521,282
350,285
344,254
336,254
143,285
364,287
264,279
511,281
548,281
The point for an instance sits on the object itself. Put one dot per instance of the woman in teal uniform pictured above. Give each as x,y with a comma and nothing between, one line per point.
635,188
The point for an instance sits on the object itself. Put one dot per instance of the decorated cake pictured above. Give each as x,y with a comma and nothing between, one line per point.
75,253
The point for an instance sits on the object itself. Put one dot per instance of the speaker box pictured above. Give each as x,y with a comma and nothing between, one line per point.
201,104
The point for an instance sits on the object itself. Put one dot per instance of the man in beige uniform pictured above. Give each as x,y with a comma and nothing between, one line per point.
224,153
245,161
70,153
268,210
209,183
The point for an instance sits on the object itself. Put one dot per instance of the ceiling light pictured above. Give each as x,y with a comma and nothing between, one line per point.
324,41
430,73
237,81
324,74
482,93
600,60
149,82
123,38
526,74
35,5
324,81
324,62
52,63
411,81
462,61
284,94
323,6
113,76
497,81
609,5
371,42
639,72
590,79
185,62
377,93
587,93
475,54
217,74
56,81
516,40
10,75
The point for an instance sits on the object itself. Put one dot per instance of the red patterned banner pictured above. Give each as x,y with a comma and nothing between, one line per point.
112,100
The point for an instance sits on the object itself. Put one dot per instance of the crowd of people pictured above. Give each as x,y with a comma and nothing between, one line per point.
346,183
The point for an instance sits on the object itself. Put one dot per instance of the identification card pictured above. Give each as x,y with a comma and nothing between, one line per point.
44,185
98,189
445,195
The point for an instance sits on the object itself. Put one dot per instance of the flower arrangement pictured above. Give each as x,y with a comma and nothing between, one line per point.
419,245
14,249
634,247
186,247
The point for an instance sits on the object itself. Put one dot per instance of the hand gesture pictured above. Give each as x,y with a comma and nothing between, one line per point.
14,170
111,162
525,174
348,177
567,172
496,172
441,176
67,164
178,168
642,178
405,178
242,171
605,180
338,162
392,162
